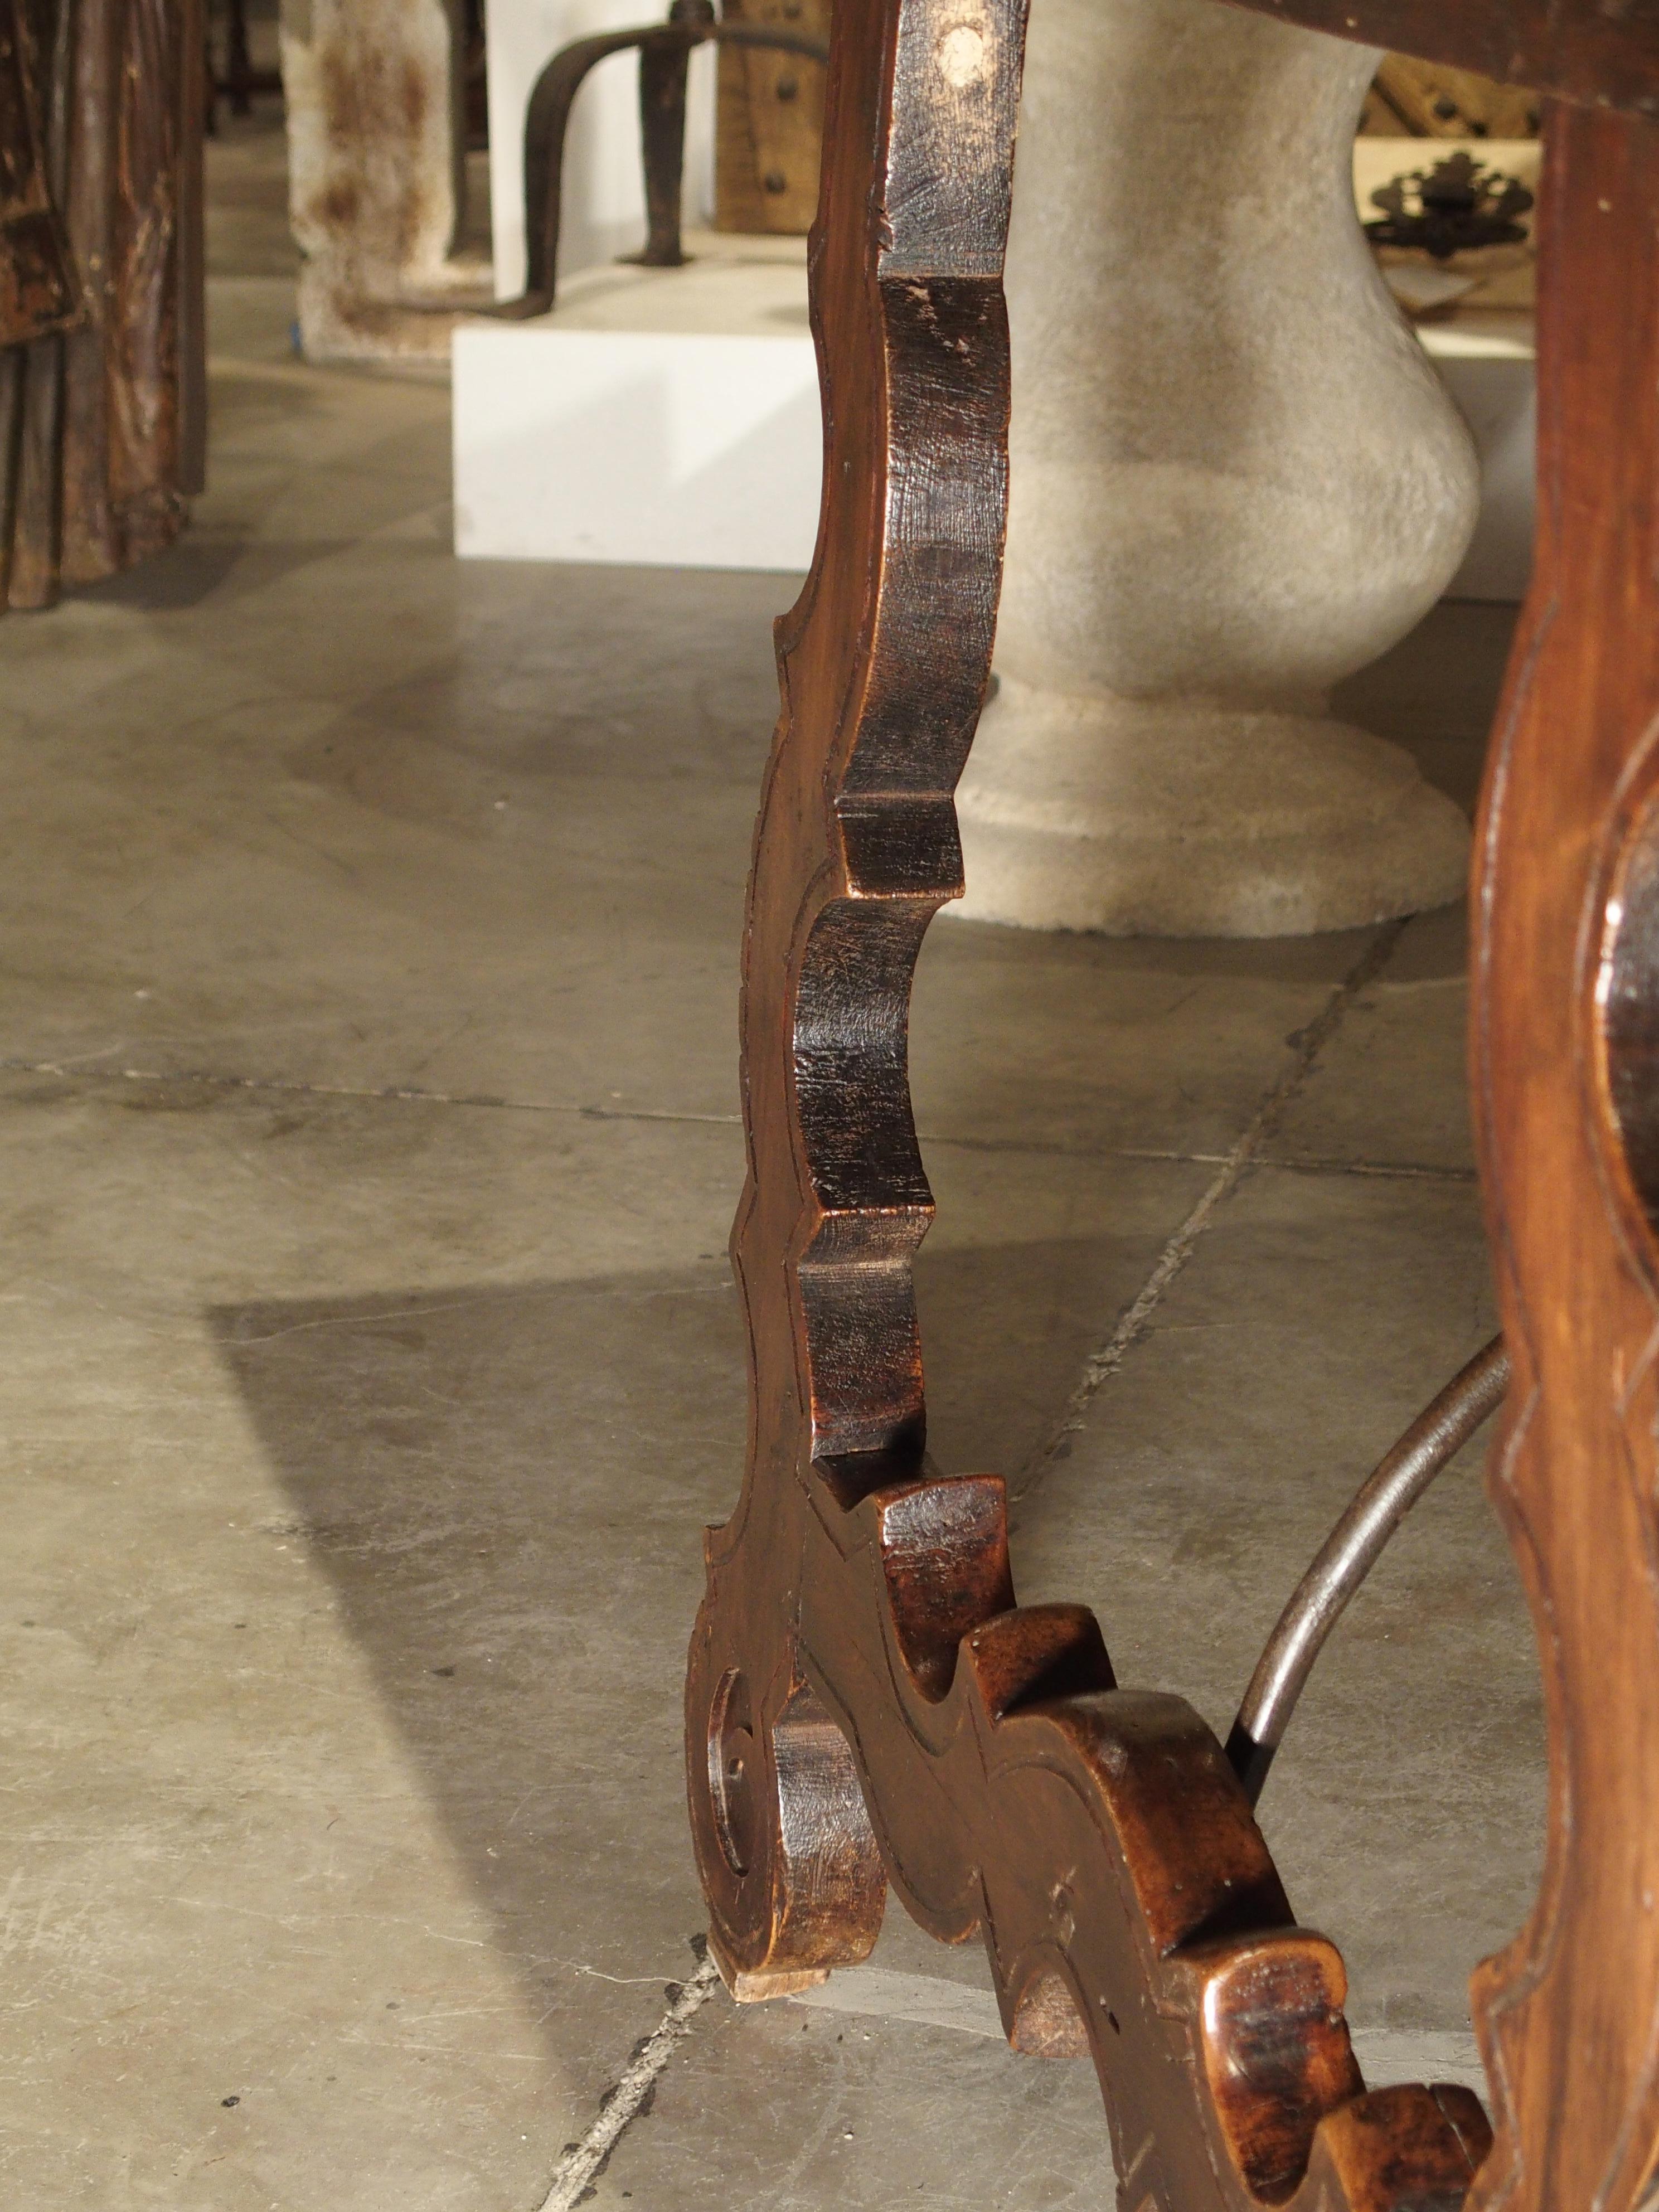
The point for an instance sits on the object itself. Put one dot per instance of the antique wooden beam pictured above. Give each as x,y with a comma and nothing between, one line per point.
1601,53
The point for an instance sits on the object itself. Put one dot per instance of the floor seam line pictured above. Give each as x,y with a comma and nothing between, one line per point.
583,2162
406,1094
1158,1156
1132,1323
390,1093
1395,1171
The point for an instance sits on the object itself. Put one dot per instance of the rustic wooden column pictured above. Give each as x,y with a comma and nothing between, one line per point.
865,1703
103,423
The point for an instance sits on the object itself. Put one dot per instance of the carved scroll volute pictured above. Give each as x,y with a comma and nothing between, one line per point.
1566,1003
883,665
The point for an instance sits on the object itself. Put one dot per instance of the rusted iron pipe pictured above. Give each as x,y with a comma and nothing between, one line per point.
665,51
1352,1548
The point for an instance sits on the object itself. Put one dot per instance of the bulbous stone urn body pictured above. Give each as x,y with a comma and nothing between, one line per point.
1235,479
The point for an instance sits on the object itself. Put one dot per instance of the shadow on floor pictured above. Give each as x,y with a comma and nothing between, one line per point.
506,1488
1436,690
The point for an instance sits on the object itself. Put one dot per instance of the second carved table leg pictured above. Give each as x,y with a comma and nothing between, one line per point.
1566,1083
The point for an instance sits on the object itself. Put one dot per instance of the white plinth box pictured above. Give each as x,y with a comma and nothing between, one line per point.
669,418
668,449
666,417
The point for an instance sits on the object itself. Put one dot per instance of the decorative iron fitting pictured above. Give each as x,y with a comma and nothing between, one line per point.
1448,209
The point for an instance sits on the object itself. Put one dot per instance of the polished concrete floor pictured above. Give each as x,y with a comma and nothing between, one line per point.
368,1116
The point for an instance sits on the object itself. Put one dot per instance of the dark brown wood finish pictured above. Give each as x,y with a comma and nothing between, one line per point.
1601,53
242,82
1565,1055
37,291
103,426
866,1702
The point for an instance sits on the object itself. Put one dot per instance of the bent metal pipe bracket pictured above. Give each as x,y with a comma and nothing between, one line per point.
665,52
1351,1551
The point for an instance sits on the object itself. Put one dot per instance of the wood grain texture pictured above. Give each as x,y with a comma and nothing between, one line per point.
37,291
105,425
1598,52
866,1702
1567,972
768,135
1428,102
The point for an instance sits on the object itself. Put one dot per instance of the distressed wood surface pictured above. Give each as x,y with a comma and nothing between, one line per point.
768,135
38,292
866,1702
1565,1073
104,426
1597,52
1429,101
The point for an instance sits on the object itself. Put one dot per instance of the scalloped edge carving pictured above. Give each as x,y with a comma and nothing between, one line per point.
910,1721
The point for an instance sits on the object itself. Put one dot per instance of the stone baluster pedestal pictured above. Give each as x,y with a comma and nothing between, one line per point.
1235,479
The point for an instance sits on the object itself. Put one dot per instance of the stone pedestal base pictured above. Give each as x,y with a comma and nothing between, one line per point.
1234,479
1173,818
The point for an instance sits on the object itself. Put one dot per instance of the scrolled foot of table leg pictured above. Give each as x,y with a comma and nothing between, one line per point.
789,1865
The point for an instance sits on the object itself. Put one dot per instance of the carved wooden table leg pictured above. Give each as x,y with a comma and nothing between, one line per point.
864,1696
1567,1079
883,666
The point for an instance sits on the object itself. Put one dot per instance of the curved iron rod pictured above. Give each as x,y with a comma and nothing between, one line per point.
1349,1553
663,50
